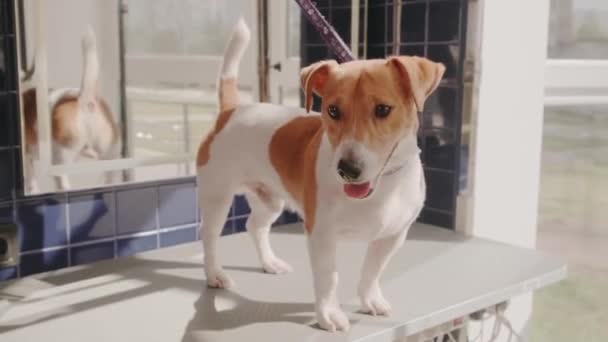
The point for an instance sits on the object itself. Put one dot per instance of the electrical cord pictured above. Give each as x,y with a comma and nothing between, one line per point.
497,311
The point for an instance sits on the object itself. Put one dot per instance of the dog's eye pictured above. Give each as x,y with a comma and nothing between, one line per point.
333,112
381,111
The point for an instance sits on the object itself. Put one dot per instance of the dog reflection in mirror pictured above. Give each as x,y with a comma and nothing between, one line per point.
82,124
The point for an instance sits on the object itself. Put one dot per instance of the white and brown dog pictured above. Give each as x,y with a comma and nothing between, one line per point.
352,170
82,123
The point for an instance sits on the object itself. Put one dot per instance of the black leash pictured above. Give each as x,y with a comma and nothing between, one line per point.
327,32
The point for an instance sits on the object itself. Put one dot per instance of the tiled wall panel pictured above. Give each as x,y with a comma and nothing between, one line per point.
76,228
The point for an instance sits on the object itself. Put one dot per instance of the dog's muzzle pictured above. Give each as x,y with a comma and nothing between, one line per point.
349,170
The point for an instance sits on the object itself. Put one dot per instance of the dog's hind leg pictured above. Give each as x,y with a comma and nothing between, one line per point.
29,172
265,209
62,156
214,202
114,152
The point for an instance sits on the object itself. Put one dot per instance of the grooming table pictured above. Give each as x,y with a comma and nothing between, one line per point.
437,277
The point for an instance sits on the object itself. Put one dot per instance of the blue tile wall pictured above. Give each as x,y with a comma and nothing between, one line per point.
86,254
6,173
77,228
6,18
240,206
286,218
239,224
8,105
43,261
178,236
81,227
429,28
8,273
134,245
436,217
92,216
6,213
177,205
228,226
133,208
42,223
7,64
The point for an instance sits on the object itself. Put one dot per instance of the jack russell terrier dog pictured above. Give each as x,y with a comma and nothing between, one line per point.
82,123
352,170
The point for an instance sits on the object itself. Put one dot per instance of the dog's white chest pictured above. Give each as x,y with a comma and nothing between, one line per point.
380,216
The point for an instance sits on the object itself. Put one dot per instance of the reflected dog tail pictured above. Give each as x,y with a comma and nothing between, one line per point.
228,94
90,70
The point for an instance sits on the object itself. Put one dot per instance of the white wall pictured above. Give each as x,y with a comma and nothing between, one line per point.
505,166
67,21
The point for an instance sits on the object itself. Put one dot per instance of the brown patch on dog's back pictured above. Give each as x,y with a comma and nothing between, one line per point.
203,155
107,113
293,153
64,113
30,116
63,117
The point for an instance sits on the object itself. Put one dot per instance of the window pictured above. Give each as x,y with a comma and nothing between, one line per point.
172,108
185,27
574,170
578,29
575,148
577,66
572,220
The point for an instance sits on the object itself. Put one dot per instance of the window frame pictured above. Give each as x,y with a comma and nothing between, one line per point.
206,67
576,81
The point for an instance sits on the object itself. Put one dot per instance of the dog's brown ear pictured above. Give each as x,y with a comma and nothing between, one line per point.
420,75
313,78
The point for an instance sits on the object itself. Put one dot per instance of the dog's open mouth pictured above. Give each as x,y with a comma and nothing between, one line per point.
358,191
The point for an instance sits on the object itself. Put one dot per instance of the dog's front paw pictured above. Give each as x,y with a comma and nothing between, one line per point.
276,266
219,279
374,303
332,319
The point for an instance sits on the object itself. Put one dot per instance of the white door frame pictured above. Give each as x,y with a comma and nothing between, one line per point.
288,75
509,58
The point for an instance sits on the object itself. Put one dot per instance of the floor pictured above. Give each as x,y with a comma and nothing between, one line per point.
166,287
573,224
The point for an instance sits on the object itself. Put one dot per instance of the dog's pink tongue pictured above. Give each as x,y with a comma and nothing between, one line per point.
357,190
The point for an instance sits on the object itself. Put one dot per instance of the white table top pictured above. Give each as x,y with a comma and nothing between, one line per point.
436,276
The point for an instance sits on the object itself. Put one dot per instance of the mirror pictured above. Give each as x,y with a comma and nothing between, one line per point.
117,91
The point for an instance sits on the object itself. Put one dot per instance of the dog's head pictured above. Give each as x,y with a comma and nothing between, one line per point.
368,106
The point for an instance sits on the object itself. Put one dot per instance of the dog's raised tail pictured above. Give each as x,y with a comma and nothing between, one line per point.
228,93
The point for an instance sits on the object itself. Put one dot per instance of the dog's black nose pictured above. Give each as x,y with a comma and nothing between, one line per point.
348,170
